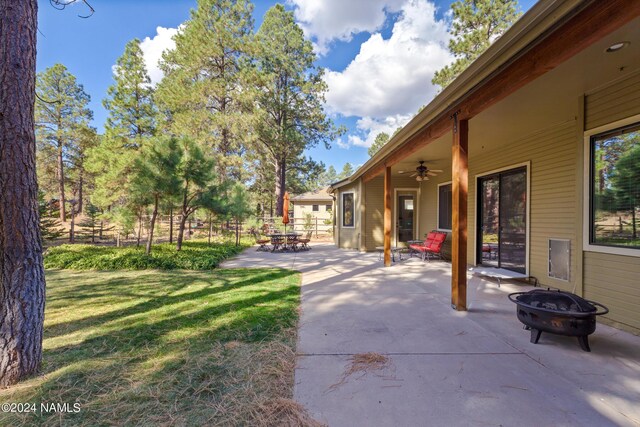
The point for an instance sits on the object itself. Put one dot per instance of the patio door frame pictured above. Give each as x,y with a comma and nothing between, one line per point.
416,212
478,208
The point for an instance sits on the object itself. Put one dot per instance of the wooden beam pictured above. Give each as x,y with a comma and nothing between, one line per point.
460,184
387,217
586,27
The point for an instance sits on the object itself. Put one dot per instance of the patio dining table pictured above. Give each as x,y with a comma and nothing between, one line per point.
280,240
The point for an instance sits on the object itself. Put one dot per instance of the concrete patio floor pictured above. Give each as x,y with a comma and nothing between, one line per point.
445,367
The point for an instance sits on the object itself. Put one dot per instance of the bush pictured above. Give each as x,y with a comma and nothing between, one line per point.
195,255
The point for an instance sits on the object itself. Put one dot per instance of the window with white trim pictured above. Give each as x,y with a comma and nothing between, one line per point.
444,207
348,212
614,188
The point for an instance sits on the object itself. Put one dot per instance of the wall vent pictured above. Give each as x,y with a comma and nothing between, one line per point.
559,259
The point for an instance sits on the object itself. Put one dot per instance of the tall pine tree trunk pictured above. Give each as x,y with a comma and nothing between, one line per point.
280,185
60,166
72,228
210,228
171,224
633,222
80,190
139,228
152,224
183,219
22,282
183,222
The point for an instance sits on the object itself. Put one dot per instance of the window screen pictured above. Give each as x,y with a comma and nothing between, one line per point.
444,207
615,188
347,210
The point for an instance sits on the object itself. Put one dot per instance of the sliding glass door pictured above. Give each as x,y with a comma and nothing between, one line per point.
502,225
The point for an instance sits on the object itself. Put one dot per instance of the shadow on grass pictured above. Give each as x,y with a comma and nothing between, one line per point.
220,282
164,360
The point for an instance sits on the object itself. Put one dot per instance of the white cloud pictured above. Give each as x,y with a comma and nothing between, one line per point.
324,21
389,80
368,128
393,76
345,145
152,49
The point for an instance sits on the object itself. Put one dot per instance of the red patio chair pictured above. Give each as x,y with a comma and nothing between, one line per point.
432,246
420,247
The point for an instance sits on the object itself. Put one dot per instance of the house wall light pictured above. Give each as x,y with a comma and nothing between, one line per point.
617,46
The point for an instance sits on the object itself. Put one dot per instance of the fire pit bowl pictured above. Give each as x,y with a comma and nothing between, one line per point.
557,312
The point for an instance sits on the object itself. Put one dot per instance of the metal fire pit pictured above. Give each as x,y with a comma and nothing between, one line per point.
557,312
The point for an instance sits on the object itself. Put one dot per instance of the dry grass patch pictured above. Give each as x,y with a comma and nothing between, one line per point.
363,363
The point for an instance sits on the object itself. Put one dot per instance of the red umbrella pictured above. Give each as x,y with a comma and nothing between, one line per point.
285,210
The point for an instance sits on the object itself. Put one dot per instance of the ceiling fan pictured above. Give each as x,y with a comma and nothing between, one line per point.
423,173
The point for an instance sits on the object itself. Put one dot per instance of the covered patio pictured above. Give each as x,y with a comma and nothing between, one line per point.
507,160
445,367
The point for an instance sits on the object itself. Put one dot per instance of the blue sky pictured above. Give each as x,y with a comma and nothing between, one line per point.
379,55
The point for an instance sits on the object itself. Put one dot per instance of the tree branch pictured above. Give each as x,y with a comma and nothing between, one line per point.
62,4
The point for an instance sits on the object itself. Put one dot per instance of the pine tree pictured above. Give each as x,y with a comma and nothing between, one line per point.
290,116
198,184
50,228
262,185
22,280
238,207
91,223
81,179
130,103
328,177
332,175
61,111
347,171
206,92
304,176
381,139
131,122
155,176
476,24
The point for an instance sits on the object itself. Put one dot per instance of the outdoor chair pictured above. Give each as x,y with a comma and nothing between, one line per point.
293,242
277,242
432,245
262,241
489,251
418,248
304,242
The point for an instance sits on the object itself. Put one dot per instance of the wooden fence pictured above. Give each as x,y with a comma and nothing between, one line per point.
195,227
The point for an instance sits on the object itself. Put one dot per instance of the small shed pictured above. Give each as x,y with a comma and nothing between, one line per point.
318,203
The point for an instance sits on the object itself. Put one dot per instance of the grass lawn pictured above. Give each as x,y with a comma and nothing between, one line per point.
165,348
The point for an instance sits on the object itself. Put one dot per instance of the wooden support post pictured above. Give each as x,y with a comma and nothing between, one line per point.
387,216
460,184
